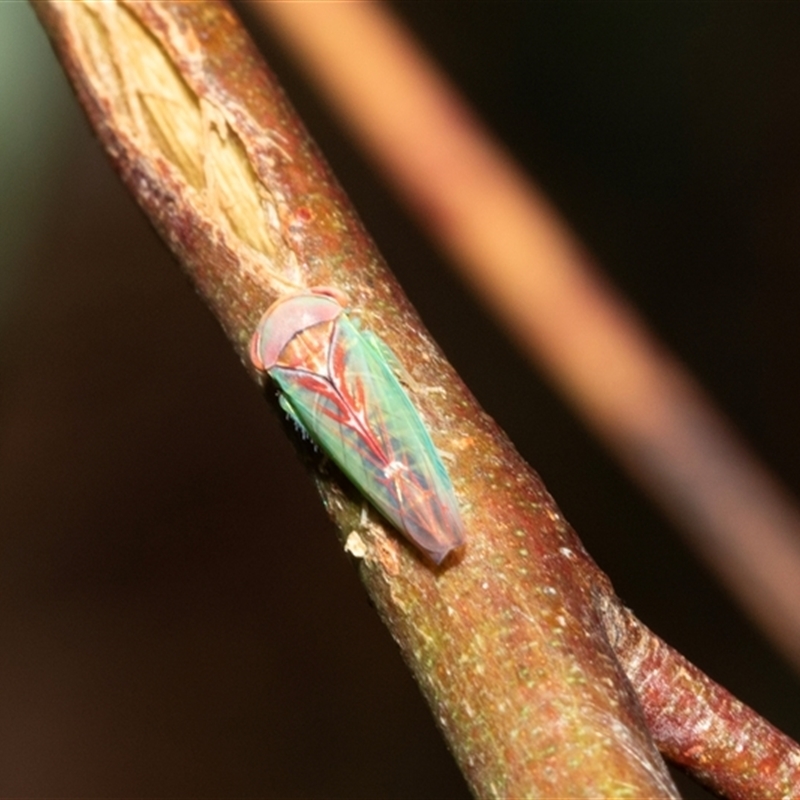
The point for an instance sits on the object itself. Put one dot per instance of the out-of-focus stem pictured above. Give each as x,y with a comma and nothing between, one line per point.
524,261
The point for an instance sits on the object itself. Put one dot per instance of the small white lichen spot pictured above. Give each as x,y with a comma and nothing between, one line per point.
355,545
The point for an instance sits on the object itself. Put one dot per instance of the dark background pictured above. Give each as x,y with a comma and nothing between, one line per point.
176,616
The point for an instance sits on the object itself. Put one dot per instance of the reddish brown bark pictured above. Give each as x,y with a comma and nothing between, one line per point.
699,725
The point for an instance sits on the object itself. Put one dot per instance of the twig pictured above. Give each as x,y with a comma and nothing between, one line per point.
699,725
507,644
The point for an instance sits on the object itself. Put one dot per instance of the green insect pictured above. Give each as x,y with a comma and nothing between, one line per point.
335,383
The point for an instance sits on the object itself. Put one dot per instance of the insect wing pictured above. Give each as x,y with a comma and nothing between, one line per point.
361,416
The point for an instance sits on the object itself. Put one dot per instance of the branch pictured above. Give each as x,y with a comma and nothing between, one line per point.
507,644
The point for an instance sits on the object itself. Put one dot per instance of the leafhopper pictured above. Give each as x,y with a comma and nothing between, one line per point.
336,383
